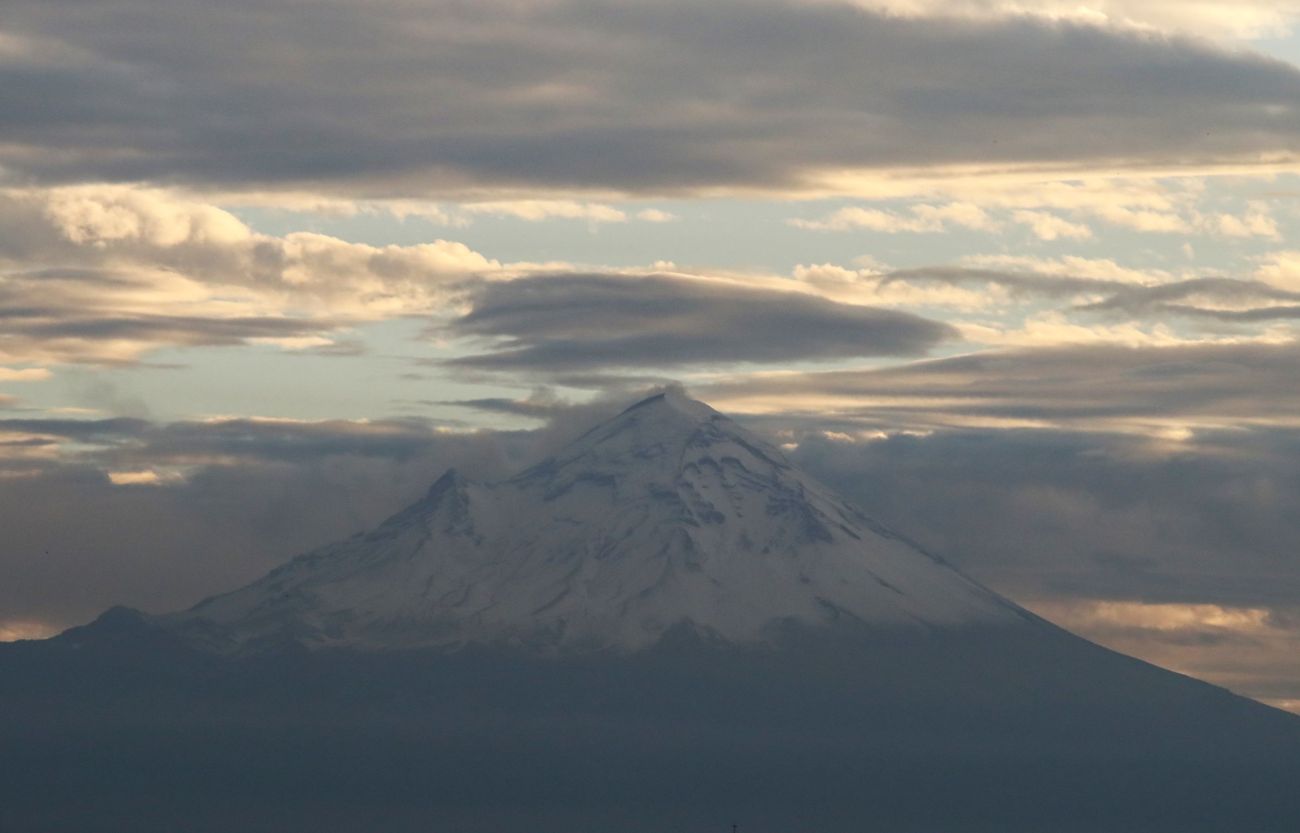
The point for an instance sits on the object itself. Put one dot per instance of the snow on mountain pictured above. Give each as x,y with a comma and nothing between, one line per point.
668,514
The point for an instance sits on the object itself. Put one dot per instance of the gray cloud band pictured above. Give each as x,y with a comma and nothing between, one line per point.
1237,300
392,97
1084,385
573,322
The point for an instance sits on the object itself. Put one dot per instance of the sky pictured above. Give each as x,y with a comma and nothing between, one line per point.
1015,277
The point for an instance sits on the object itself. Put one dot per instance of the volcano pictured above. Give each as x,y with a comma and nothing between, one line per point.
664,626
668,516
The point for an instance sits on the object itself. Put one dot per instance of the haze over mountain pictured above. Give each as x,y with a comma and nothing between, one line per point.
670,514
664,626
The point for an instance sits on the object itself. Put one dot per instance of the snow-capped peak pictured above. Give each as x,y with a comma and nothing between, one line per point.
667,514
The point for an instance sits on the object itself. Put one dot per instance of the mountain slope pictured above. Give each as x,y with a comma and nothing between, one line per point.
668,514
120,729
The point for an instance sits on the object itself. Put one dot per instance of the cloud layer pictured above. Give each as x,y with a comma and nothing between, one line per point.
1155,391
104,274
1153,549
580,322
391,98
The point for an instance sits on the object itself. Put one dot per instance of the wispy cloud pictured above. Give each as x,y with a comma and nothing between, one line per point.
1146,390
537,210
920,218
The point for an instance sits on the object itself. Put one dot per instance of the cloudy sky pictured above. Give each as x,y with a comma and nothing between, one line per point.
1014,275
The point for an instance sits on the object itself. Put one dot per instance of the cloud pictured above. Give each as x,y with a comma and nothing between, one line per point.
1016,287
146,477
893,289
55,334
1281,269
1223,299
105,274
169,512
1147,548
1055,328
1186,559
1159,392
972,288
542,403
1156,207
1104,272
919,219
1208,18
1173,618
114,227
402,100
1047,226
1257,222
1247,649
12,630
1160,222
570,322
133,444
26,374
1085,516
1065,283
538,210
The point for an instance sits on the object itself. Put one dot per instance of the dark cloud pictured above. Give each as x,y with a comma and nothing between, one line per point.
1089,385
500,405
542,403
1192,298
392,97
80,430
76,335
170,329
1063,514
125,442
1065,520
105,316
579,322
234,499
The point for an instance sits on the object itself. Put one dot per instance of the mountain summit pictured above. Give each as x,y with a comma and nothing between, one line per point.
668,515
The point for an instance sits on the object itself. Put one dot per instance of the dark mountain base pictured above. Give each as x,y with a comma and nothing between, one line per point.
117,727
